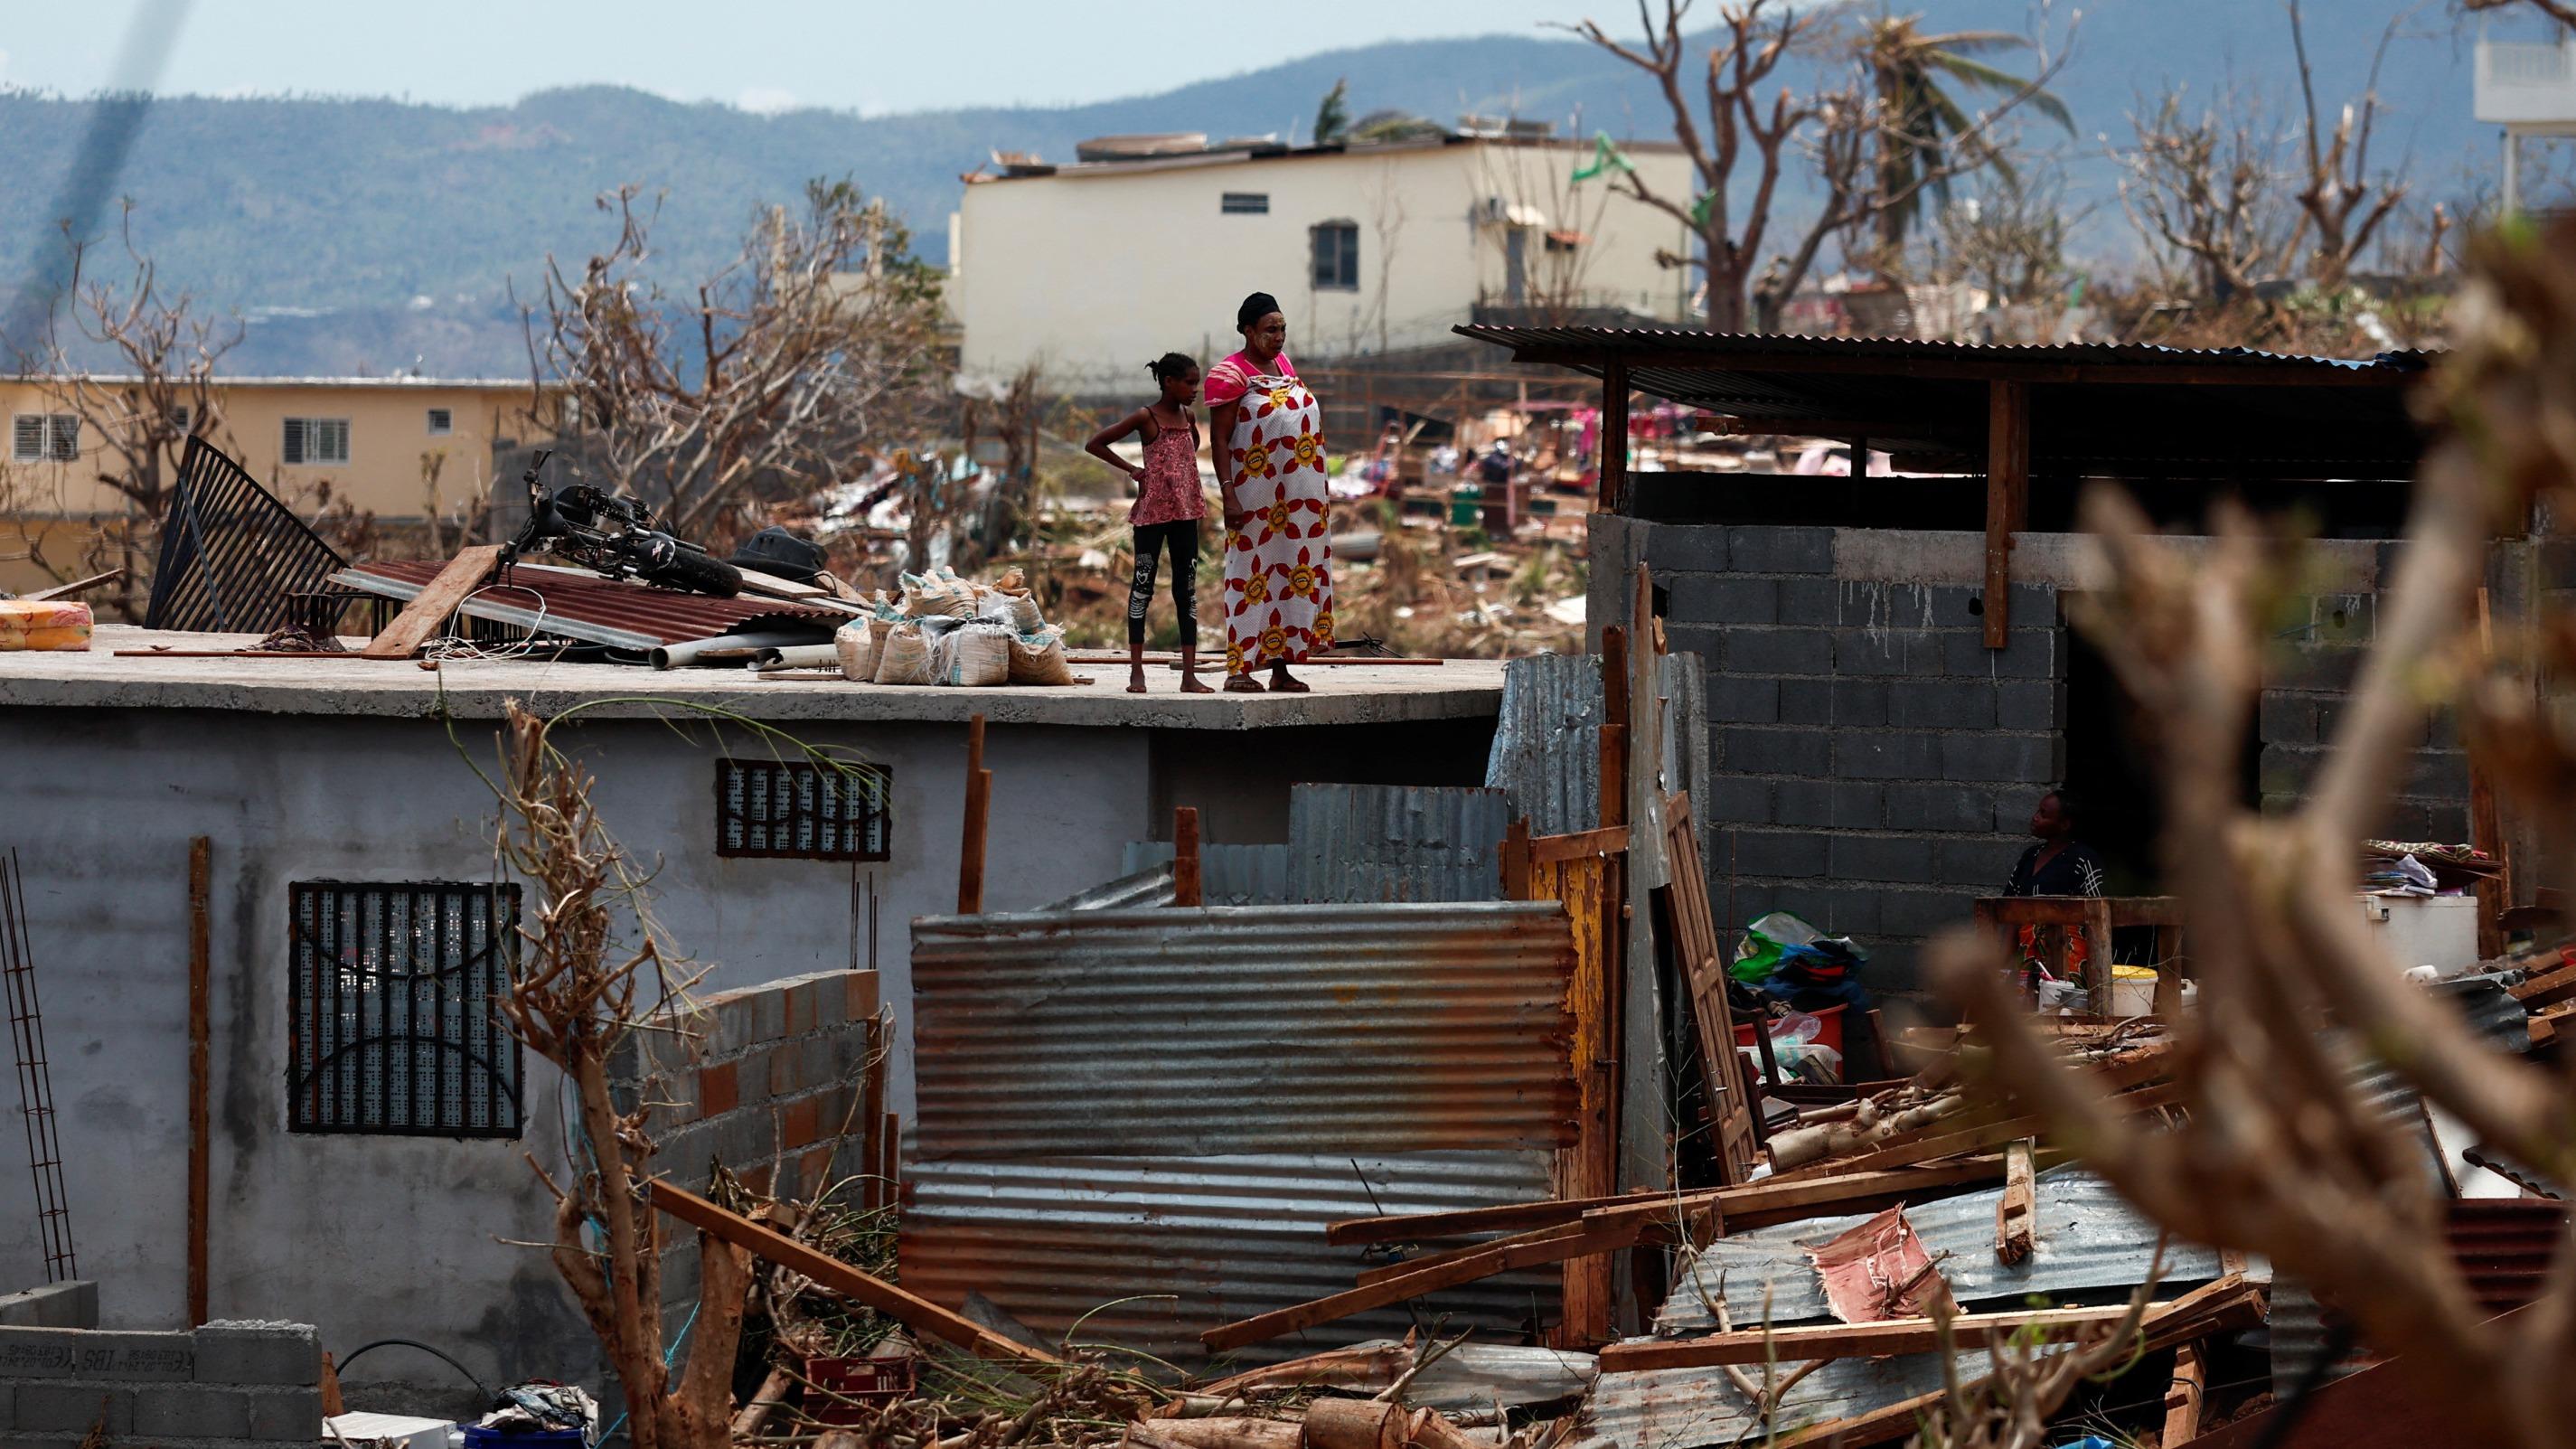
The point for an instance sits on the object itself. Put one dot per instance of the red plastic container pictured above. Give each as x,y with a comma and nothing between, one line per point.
868,1380
1829,1035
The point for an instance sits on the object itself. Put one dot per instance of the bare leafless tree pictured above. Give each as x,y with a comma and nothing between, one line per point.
2343,201
2283,1151
820,336
2207,193
2558,10
2010,239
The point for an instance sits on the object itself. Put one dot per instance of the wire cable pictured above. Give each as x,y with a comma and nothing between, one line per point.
351,1357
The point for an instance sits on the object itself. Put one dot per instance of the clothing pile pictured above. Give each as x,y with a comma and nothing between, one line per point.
2424,868
946,629
1784,958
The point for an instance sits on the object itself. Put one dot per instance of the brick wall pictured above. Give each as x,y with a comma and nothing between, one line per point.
773,1081
1873,763
225,1384
2306,681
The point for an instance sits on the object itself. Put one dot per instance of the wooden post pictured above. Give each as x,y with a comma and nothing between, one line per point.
2182,1397
1611,494
2007,497
2486,823
2017,1211
979,801
200,994
1186,887
1516,861
1614,725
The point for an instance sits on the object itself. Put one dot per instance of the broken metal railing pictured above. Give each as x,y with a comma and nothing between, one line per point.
35,1078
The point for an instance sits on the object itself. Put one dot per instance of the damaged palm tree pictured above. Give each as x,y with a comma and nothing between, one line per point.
2283,1153
592,955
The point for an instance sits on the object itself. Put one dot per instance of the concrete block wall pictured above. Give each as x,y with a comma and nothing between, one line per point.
224,1385
2307,679
1873,763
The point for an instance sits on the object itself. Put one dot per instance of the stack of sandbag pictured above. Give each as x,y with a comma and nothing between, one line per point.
1037,657
947,629
905,656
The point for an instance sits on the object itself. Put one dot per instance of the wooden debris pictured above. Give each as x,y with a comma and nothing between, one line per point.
832,1275
430,609
1467,1268
2183,1396
1858,1340
2016,1212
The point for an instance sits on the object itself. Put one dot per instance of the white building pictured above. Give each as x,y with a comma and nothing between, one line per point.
2528,88
1094,269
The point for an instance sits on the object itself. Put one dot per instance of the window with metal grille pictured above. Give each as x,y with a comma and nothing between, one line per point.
1244,203
44,437
802,810
1337,256
317,440
442,421
395,1005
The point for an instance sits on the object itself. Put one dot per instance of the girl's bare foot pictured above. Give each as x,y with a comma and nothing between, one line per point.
1281,683
1190,685
1136,680
1243,684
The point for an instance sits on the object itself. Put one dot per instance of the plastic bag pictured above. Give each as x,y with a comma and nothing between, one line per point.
973,656
905,659
936,598
1037,657
1759,950
856,642
992,606
1015,579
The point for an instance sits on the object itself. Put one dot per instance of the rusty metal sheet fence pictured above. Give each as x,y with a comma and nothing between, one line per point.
1396,843
1165,1032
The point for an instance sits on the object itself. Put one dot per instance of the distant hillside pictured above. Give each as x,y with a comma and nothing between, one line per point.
406,224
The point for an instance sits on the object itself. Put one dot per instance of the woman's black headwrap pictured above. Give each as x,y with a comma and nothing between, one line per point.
1254,308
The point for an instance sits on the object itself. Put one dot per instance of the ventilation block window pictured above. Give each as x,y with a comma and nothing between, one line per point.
1245,203
395,1009
442,421
1337,256
44,437
317,440
801,810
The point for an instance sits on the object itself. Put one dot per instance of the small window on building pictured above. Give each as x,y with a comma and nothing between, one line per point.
44,437
1337,256
1245,203
181,416
317,440
801,810
442,421
394,1009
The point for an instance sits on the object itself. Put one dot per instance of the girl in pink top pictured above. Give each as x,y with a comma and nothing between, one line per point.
1166,513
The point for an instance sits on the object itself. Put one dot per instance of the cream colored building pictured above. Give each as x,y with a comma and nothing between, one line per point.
1092,270
403,449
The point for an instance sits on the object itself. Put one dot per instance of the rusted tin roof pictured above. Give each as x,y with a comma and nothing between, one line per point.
1150,1252
1396,843
579,605
1167,1032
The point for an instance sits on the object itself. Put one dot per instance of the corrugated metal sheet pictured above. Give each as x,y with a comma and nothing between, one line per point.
1547,742
1360,843
1388,1028
581,605
1699,1407
2089,1240
1150,886
2504,1247
1229,875
1054,1239
1718,346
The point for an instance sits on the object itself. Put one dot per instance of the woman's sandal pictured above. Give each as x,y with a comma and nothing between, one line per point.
1243,684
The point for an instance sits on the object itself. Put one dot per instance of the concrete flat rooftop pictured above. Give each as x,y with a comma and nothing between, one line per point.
1344,694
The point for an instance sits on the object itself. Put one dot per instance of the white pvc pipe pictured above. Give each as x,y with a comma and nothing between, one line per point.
728,648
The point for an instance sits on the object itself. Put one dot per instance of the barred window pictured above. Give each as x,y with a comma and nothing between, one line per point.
44,437
395,1009
802,810
1336,248
316,440
1244,203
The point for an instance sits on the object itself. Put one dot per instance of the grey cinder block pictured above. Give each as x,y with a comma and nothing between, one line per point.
1887,754
1691,547
1778,651
1775,752
239,1352
1841,804
1767,550
74,1408
1904,859
1939,807
1739,699
200,1411
279,1416
1945,704
1722,599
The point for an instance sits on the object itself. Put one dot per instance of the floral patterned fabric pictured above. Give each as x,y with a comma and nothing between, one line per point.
1278,567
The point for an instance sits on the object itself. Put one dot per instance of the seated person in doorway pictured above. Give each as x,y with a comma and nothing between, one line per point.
2057,864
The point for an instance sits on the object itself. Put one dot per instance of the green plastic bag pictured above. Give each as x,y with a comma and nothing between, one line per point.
1758,950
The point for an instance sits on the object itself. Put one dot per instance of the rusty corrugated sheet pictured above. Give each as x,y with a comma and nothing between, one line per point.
1052,1240
1356,1028
1359,843
1547,742
1229,875
581,605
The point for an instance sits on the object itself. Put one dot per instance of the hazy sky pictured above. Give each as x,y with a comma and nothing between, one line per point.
871,55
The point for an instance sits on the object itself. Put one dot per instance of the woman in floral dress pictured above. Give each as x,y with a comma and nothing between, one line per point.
1269,449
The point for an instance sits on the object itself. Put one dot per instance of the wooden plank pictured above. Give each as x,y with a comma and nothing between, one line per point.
2486,820
1552,849
756,582
429,609
1815,1195
1595,359
1186,887
1397,1289
1928,1149
1614,727
75,588
2546,989
1857,1340
1588,1168
2097,955
1610,492
979,803
200,1016
1517,864
2182,1397
831,1274
2017,1211
2007,498
1403,1267
1697,946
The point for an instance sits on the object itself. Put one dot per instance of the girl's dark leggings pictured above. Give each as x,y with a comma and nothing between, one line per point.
1181,538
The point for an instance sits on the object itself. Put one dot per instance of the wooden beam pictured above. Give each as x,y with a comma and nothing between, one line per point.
1556,849
1186,887
979,804
2486,821
1610,494
1858,1340
200,1016
2547,989
1517,861
1975,1139
2007,498
831,1274
430,609
2183,1396
1448,1274
1616,707
1595,360
2017,1211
